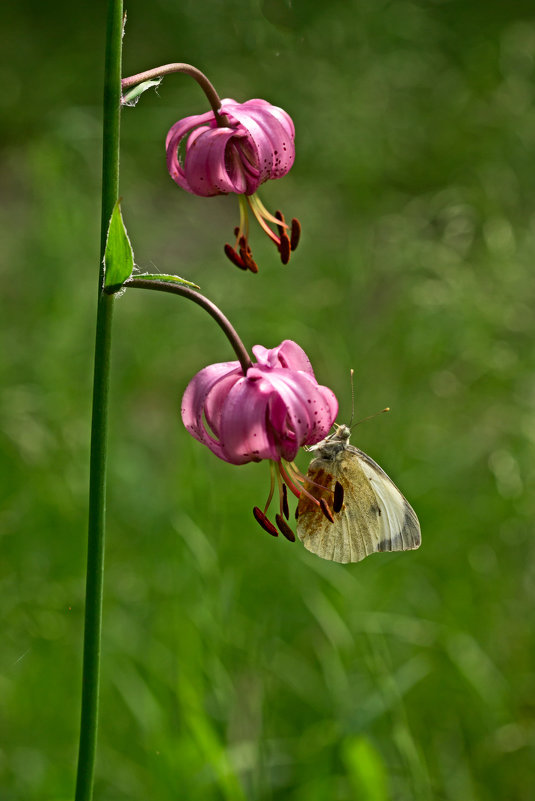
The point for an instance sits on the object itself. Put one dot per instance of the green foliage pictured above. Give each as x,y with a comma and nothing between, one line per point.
118,256
173,279
236,665
131,97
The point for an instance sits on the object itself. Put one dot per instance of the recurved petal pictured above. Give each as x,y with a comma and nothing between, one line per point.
288,354
258,135
303,412
194,399
273,137
243,154
216,398
207,169
282,116
177,131
174,136
284,119
244,434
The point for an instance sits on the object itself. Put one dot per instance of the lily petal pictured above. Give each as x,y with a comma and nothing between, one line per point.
288,354
244,432
194,399
272,134
172,142
208,170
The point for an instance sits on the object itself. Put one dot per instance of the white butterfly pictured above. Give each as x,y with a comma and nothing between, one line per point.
370,514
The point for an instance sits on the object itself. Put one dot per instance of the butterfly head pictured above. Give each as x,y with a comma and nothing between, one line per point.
334,443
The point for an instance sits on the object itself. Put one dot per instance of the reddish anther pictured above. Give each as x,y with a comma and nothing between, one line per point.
264,522
295,235
326,510
280,216
285,528
285,248
249,262
231,254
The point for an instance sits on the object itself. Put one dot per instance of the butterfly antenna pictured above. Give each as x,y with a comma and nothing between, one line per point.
351,374
370,417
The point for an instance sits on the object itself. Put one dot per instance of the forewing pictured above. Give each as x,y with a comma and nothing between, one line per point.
356,531
400,529
374,517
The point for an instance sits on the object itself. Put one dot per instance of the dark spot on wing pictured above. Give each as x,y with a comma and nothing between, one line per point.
409,538
338,497
411,534
393,544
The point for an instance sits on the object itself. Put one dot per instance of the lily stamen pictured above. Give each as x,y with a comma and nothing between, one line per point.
299,477
284,528
285,508
241,254
295,233
264,522
231,254
271,487
288,481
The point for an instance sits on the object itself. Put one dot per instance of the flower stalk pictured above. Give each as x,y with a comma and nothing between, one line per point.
225,324
99,424
186,69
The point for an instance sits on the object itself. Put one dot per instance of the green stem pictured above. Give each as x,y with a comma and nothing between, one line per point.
99,425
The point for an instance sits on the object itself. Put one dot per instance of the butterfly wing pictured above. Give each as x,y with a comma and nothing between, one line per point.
400,529
374,517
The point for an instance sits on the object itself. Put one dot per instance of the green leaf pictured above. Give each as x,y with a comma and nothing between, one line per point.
131,97
118,256
174,279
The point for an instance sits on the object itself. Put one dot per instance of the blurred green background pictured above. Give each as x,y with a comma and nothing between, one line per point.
236,666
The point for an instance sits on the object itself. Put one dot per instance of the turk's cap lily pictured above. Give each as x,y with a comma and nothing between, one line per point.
269,413
255,144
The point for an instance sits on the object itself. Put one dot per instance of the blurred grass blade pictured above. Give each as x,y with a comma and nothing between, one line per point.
366,770
131,97
118,256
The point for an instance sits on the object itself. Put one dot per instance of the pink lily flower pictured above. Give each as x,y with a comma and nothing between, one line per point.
269,413
255,144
